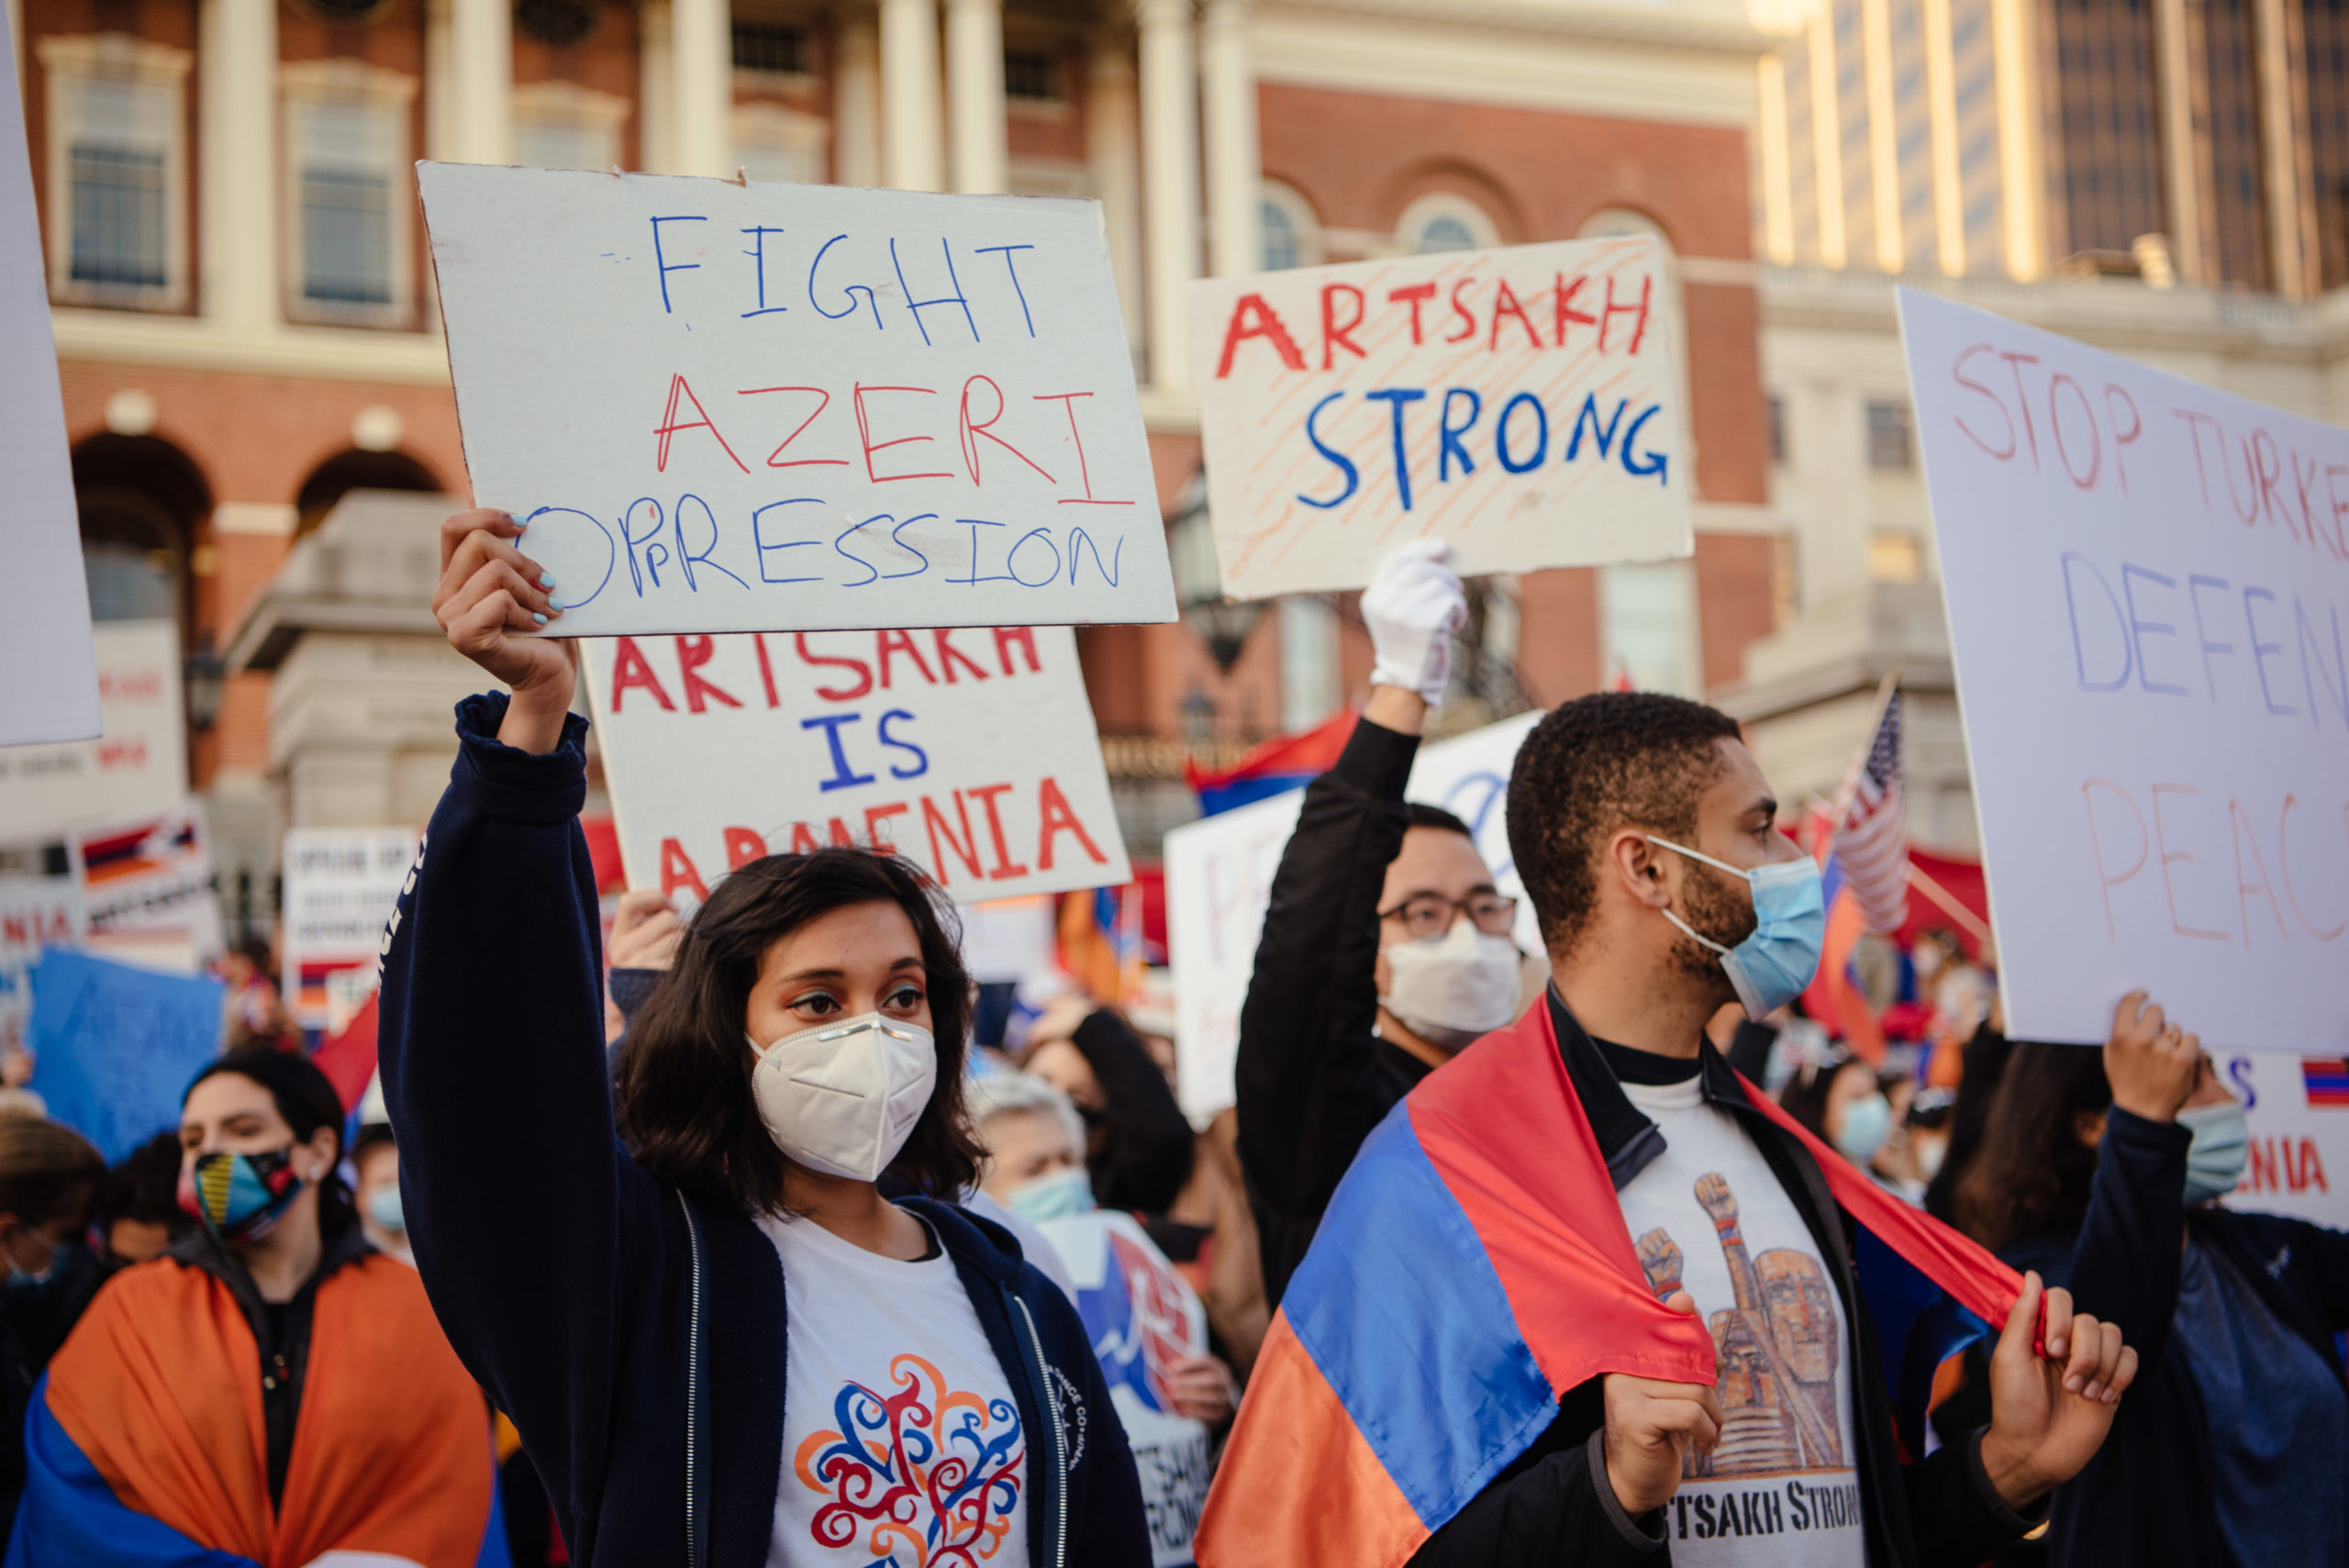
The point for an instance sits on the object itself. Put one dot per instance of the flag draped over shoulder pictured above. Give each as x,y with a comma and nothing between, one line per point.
145,1444
1472,1269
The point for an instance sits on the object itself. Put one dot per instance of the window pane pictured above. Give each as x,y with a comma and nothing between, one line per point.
1645,610
763,46
563,144
1031,75
1889,435
346,236
1445,233
118,215
1280,238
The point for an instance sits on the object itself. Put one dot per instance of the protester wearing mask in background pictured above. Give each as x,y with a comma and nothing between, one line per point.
376,1156
139,1212
48,1174
1032,1134
713,1331
1838,1100
1620,1286
1138,1141
1386,948
256,1016
142,1448
2104,1169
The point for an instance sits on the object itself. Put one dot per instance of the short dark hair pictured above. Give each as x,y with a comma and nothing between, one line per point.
47,1169
145,1186
306,1099
682,1094
1806,1094
1426,816
1599,763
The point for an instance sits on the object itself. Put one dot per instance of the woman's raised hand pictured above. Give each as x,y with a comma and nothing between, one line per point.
490,597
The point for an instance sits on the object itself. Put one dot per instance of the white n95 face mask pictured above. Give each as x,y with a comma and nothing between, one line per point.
842,1098
1452,992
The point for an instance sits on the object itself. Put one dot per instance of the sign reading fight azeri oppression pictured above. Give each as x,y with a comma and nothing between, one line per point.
2148,591
1219,877
728,407
340,886
1523,404
970,751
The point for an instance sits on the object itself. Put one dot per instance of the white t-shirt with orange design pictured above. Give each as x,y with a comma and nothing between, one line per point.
901,1440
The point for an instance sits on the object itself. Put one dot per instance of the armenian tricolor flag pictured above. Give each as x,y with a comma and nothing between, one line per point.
1284,763
145,1448
1474,1267
2326,1079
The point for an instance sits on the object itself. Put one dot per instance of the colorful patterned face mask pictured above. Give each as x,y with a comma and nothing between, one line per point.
240,1197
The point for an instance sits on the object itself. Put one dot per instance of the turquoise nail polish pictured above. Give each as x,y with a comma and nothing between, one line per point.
546,580
553,603
538,618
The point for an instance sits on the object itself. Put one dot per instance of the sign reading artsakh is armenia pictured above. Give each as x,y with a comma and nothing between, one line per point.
1523,404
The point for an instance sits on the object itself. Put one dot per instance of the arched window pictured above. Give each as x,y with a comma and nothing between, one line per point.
1444,221
355,470
1292,232
140,499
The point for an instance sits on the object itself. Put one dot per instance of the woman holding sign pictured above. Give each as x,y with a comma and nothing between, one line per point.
719,1342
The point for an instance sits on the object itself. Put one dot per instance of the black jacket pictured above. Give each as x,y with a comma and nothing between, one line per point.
1144,1154
2146,1496
1313,1079
638,1341
1555,1504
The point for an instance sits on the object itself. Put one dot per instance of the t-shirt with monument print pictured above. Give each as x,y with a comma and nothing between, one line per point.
1707,1216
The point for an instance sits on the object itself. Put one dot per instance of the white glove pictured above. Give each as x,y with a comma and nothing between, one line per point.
1412,607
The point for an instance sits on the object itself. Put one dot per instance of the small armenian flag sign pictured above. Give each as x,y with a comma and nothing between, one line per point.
2327,1079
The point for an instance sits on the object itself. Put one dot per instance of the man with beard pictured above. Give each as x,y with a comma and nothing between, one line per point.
1587,1294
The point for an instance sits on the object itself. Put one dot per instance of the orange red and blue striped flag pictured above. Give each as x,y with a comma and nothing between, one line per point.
145,1447
1474,1268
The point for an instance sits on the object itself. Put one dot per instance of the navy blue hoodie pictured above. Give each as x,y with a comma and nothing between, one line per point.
598,1307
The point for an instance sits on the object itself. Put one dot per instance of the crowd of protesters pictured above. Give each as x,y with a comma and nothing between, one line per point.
798,1269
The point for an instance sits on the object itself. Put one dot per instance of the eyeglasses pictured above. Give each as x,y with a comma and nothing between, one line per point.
1428,916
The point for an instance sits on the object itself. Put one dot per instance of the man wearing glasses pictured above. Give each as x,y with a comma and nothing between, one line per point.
1385,947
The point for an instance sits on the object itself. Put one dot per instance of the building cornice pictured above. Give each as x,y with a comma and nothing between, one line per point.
1591,24
185,342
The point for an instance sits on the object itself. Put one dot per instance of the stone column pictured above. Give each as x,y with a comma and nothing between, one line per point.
2282,97
856,100
1170,184
482,34
1234,157
702,64
236,97
439,79
910,144
1109,134
656,104
2174,55
977,145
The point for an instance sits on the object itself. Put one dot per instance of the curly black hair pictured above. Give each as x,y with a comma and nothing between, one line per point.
1599,763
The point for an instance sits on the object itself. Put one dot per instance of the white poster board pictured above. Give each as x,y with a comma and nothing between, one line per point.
35,912
731,407
1523,404
972,750
146,882
2298,1111
1143,1318
340,887
138,763
2148,591
1219,877
48,686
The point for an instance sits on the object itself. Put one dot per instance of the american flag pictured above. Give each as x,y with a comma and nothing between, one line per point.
1872,829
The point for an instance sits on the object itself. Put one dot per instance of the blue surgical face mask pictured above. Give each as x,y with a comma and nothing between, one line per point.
1867,1124
383,1208
2221,1146
1777,962
1057,1194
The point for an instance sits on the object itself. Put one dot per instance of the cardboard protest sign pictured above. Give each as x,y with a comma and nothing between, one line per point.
340,884
1219,877
116,1046
2147,583
972,751
729,407
48,686
2298,1111
149,879
35,912
1523,404
1142,1317
139,763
